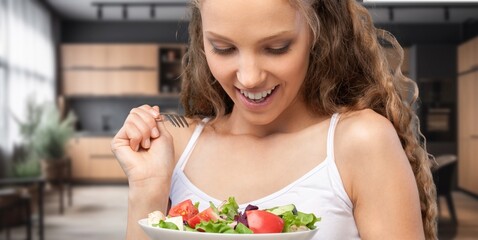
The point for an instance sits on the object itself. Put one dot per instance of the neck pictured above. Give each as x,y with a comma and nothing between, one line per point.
295,118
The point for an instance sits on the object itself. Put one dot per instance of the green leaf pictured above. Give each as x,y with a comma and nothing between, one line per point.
189,229
292,221
167,225
242,229
229,209
215,227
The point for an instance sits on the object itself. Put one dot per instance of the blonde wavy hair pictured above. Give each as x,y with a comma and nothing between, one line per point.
348,71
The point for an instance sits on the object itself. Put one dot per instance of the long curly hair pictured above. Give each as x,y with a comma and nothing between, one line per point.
349,70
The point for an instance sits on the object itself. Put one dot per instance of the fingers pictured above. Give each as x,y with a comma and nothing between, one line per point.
140,126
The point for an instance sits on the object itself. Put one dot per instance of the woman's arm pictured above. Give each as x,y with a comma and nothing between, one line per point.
145,150
378,178
143,198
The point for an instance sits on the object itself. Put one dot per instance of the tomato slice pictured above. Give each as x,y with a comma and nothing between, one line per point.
186,209
264,222
203,216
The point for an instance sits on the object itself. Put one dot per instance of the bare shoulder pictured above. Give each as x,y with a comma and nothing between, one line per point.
365,125
367,147
377,177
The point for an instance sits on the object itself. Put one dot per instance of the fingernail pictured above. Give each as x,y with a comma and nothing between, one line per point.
155,133
147,143
154,113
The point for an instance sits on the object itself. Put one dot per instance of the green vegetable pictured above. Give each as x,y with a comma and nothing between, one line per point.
223,227
242,229
229,209
215,227
167,225
189,229
282,209
292,221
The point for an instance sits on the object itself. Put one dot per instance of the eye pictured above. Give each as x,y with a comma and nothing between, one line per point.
223,51
279,50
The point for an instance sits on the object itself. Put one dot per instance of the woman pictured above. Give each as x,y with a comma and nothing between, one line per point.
289,102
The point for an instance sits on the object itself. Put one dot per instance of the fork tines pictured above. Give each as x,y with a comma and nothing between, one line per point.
176,120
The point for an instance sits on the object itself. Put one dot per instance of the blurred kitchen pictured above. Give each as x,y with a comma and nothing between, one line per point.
70,71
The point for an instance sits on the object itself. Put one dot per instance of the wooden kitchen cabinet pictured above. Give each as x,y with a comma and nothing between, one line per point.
121,69
83,56
468,163
468,56
77,150
110,83
110,69
468,131
92,160
107,56
132,56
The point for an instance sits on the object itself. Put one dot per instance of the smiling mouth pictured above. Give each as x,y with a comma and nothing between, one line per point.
257,97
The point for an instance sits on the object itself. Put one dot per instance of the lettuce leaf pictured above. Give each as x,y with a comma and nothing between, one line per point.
222,227
214,227
242,229
292,221
229,209
167,225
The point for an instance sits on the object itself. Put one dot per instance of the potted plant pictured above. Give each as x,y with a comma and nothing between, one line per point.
25,161
45,133
50,138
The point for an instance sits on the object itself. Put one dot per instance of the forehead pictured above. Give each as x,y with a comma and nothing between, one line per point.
243,15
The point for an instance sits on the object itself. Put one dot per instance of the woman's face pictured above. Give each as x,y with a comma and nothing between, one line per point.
258,51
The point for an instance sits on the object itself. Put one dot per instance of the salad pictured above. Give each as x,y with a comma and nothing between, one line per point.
227,218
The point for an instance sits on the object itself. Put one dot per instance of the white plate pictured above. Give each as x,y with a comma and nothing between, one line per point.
156,233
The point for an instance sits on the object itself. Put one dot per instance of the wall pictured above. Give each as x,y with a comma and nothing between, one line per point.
410,34
106,115
124,32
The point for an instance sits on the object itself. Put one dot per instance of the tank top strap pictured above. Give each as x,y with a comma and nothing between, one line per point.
334,174
330,135
191,144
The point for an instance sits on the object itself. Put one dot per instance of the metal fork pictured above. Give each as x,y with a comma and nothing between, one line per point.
175,119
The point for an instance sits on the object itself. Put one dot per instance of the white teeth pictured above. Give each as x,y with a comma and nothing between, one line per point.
257,96
250,95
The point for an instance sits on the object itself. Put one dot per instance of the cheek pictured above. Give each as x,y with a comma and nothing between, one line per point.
220,68
292,69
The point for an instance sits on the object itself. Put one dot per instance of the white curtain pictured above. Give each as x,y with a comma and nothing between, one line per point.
27,63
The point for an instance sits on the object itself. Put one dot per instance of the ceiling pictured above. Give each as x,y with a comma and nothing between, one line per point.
173,10
86,10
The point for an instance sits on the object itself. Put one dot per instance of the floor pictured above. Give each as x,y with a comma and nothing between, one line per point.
99,213
467,214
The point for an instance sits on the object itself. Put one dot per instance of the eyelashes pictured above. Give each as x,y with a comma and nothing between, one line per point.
231,50
223,51
278,51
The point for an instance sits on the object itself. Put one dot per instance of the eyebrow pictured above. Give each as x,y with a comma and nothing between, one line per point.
276,35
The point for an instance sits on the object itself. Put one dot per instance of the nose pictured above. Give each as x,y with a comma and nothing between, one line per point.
250,73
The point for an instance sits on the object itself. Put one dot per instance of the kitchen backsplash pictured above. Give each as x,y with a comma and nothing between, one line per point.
106,115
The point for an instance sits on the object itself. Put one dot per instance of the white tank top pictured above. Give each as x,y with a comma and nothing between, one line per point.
319,191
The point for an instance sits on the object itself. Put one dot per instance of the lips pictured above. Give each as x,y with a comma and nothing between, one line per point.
257,97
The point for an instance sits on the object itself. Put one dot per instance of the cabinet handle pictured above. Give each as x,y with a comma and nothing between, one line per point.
474,136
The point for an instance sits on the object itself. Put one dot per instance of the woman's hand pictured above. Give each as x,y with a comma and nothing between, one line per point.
144,147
